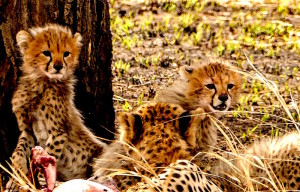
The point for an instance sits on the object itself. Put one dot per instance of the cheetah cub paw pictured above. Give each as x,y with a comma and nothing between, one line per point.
199,114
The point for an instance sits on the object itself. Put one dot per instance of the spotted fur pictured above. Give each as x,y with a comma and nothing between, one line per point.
179,176
160,132
43,102
213,86
280,157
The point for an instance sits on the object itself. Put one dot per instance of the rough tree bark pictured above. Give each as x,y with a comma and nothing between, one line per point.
94,88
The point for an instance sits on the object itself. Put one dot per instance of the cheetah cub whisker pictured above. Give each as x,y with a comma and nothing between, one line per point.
44,102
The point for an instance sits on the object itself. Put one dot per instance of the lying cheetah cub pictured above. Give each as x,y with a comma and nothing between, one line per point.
267,164
161,132
43,102
213,86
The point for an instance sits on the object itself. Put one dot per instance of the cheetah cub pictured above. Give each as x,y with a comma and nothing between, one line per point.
43,102
267,165
213,86
161,132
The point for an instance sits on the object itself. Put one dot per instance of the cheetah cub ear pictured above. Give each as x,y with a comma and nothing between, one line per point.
184,123
186,71
23,39
130,127
78,39
189,122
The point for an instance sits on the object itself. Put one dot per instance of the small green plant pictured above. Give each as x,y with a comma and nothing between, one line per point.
274,133
121,67
129,41
166,22
185,20
256,86
220,49
249,41
295,71
232,46
249,133
198,35
126,106
127,26
233,24
155,60
261,45
265,117
140,99
190,4
146,23
283,10
235,114
170,6
286,87
145,62
243,106
176,40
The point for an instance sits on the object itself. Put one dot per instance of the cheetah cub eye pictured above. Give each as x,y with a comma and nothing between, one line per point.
66,54
210,86
230,86
47,53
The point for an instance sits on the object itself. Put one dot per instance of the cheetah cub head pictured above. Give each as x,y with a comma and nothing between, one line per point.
51,51
213,86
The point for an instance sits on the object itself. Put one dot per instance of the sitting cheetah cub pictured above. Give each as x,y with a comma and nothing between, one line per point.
43,102
213,86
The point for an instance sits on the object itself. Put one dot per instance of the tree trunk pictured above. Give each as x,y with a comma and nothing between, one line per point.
93,89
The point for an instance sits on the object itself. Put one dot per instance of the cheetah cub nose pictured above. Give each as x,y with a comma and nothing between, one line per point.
58,66
223,97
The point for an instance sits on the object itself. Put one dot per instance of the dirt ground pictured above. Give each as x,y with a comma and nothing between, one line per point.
152,40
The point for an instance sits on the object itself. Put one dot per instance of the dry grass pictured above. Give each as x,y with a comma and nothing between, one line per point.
236,147
21,180
254,161
234,143
24,183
